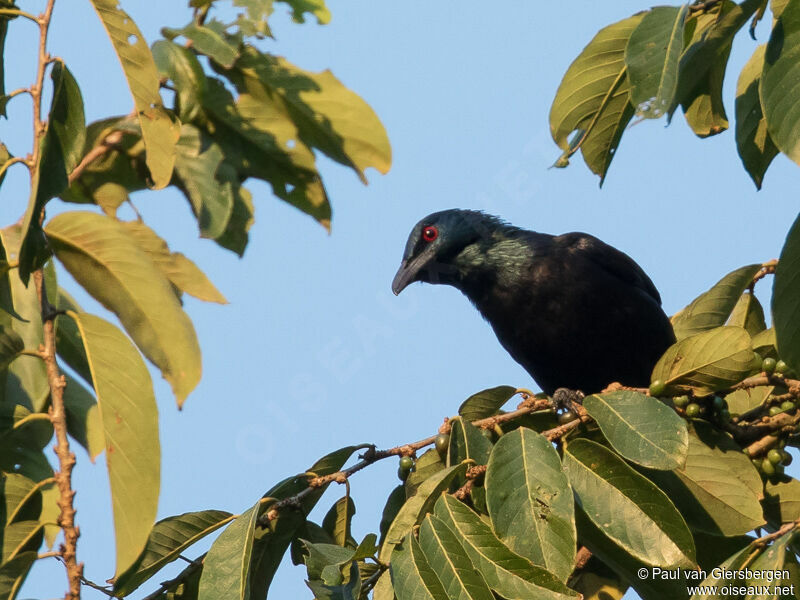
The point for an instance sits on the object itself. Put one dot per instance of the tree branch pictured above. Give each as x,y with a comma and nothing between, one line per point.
111,140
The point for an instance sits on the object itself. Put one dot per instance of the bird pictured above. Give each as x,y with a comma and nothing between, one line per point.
575,312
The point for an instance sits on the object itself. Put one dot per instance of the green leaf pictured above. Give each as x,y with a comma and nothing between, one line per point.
328,116
210,40
196,167
593,98
742,401
485,403
130,424
69,343
324,561
712,308
20,537
706,362
467,442
235,236
20,499
159,129
642,429
416,507
725,573
11,345
450,562
651,57
748,314
338,520
777,6
168,538
181,272
83,417
506,572
782,500
314,7
350,589
753,142
429,463
182,67
13,574
765,344
529,501
108,264
412,577
226,567
60,152
628,508
786,299
703,106
780,79
394,502
718,489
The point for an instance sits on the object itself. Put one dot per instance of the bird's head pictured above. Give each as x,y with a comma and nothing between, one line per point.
435,242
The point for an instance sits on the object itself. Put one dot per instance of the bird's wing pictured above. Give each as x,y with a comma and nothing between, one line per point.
615,262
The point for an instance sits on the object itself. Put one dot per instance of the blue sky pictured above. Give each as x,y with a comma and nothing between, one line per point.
314,352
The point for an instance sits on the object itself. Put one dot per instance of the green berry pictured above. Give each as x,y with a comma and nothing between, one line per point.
786,458
768,468
402,474
442,443
567,417
724,415
781,367
788,405
657,388
779,469
774,456
756,463
693,410
774,410
406,462
768,365
680,401
719,402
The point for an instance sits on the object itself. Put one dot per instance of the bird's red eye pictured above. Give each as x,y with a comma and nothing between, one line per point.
430,233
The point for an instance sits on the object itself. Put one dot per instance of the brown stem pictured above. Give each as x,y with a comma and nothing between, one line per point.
111,140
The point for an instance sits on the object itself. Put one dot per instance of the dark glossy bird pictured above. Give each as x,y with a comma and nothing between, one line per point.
573,311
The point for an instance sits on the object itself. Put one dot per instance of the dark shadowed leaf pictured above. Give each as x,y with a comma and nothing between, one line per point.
182,67
159,128
467,442
706,362
210,40
627,507
20,537
313,7
651,57
782,500
13,573
69,343
712,308
350,589
168,538
396,499
642,429
721,577
741,401
11,345
755,146
130,423
507,573
429,463
485,403
99,254
20,500
786,299
338,520
530,502
83,417
780,79
593,98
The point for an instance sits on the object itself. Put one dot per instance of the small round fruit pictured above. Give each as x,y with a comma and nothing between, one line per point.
774,410
567,417
680,401
402,474
767,467
657,388
768,365
781,367
786,458
724,415
779,469
756,463
693,410
442,443
788,405
406,462
719,402
774,456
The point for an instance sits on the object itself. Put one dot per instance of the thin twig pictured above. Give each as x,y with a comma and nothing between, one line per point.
785,528
110,141
13,161
13,12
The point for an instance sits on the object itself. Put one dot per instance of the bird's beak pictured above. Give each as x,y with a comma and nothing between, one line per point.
407,273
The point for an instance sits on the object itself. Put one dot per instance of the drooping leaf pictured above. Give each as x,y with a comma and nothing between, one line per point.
159,128
753,142
11,344
129,415
628,508
748,314
168,538
786,299
109,265
83,417
782,500
780,79
651,57
593,98
450,562
529,500
396,499
181,271
69,343
60,152
507,573
338,520
642,429
412,576
485,403
706,362
712,308
182,67
13,574
226,567
718,489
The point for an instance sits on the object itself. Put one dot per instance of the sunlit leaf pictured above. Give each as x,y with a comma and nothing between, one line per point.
485,403
182,67
411,575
